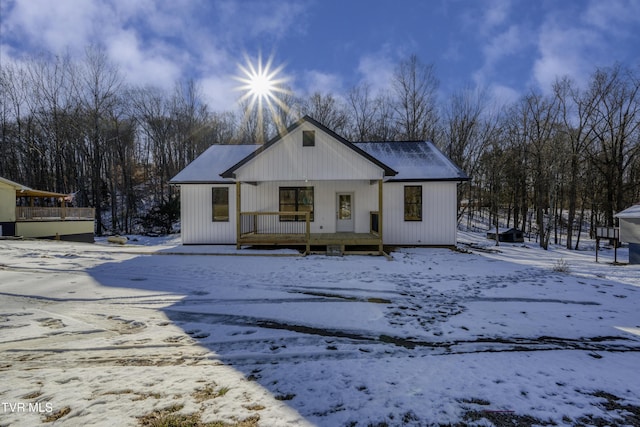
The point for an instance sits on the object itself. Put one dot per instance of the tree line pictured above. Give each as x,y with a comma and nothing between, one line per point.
548,163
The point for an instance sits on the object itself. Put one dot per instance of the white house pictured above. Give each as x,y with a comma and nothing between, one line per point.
309,186
630,231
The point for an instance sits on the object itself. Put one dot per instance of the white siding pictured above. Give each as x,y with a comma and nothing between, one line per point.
630,230
265,197
196,215
438,225
329,159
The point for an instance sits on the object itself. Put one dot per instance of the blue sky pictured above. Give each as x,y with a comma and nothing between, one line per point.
331,45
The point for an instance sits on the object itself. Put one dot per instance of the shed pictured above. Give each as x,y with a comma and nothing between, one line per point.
509,235
630,231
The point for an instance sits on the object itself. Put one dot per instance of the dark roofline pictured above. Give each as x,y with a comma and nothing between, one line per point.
458,179
172,182
229,173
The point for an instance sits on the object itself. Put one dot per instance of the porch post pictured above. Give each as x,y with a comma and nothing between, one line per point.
380,246
238,228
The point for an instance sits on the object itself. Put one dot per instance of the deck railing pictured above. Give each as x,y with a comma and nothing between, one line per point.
29,213
252,223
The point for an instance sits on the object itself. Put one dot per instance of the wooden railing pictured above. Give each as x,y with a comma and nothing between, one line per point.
275,223
374,222
28,213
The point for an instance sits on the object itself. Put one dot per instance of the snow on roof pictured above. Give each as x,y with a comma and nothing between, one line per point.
632,212
207,167
414,160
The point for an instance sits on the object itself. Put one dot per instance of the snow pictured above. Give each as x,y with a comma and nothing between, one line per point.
480,335
216,159
413,160
632,212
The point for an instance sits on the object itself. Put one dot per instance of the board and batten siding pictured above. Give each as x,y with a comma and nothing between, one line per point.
329,159
265,197
197,226
439,209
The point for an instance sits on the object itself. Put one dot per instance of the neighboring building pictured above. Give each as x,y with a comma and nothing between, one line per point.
311,187
630,231
34,213
509,235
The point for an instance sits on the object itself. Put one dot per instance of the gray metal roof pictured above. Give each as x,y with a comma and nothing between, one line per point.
414,160
207,167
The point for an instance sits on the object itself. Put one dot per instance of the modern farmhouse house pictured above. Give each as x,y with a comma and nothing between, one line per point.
311,187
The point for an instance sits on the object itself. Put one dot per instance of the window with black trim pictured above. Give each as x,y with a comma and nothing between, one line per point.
308,138
296,199
220,204
413,203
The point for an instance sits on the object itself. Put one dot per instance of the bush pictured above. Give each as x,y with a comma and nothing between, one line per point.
160,218
561,266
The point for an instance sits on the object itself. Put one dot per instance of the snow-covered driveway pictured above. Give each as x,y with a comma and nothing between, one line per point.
95,334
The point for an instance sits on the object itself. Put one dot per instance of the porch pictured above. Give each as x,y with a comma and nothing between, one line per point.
280,229
338,227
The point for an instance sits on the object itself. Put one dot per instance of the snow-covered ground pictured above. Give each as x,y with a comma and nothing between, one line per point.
106,335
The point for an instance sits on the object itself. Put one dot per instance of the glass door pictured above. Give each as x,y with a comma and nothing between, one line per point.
345,212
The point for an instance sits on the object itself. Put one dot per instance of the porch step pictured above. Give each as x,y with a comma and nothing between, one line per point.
335,250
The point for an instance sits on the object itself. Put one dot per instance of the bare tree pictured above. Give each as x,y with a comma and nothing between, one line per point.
576,110
469,128
362,113
326,109
415,88
97,87
615,125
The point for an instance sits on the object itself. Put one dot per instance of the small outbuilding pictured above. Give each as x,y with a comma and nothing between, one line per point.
630,231
509,235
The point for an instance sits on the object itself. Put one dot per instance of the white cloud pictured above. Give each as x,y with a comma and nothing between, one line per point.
52,25
495,14
505,44
503,95
219,92
318,81
564,50
612,15
141,67
377,70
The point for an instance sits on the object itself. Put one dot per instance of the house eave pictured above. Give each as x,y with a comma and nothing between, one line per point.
456,179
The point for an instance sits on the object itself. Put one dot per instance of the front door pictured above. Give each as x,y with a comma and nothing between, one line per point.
345,212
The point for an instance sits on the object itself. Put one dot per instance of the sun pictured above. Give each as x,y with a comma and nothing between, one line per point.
263,85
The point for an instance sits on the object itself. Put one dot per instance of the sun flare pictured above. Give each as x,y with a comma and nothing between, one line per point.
263,85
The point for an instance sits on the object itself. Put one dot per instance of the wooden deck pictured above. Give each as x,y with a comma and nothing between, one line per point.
341,240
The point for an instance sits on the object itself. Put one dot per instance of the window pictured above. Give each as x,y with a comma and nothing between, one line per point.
220,204
308,138
296,199
413,203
